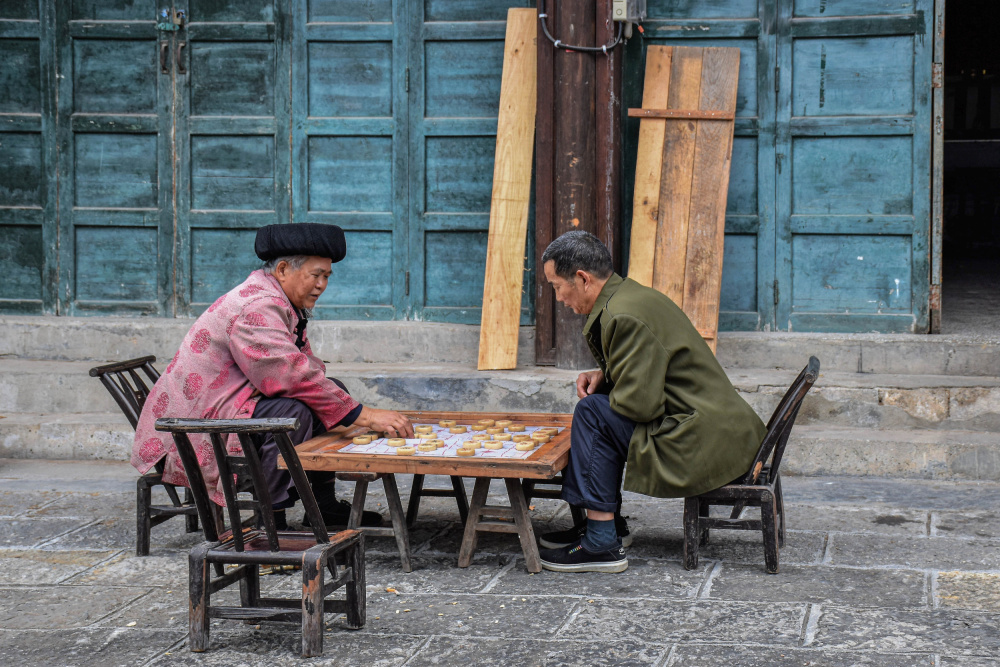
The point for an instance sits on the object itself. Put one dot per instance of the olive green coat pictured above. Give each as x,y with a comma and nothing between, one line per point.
693,432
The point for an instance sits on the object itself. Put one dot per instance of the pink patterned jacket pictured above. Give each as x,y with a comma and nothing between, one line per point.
240,349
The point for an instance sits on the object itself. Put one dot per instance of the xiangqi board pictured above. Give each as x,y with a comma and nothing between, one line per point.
453,442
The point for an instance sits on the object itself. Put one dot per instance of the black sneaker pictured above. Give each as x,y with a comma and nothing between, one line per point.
565,538
577,559
340,512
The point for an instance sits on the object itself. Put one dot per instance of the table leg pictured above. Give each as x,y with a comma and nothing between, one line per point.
416,490
460,498
471,536
398,520
525,532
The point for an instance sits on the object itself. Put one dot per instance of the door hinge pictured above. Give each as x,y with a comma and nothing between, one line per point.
407,283
937,75
776,292
407,82
777,79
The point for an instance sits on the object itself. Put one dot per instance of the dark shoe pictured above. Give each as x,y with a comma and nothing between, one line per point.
565,538
577,559
340,512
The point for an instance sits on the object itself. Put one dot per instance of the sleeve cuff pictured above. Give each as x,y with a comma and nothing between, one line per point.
351,416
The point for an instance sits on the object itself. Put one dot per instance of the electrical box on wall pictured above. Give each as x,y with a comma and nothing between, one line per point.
632,11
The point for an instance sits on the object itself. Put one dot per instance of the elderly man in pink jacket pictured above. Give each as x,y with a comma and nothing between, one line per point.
248,356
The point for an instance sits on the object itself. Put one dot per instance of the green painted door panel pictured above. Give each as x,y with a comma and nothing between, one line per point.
27,160
233,150
349,147
853,151
456,62
115,177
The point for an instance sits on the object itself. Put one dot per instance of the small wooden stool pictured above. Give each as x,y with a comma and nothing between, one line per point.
417,491
398,529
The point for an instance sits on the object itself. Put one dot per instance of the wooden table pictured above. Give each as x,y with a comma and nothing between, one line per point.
323,453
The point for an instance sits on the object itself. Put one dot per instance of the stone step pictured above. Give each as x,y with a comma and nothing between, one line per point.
114,339
870,400
812,450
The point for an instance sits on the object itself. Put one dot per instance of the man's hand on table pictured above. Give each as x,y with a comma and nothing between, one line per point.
588,383
390,422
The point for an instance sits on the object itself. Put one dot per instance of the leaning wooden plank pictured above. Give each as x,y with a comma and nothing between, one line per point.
707,221
670,254
511,192
649,160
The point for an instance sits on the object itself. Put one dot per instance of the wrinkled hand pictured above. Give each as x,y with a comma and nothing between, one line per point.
390,422
589,382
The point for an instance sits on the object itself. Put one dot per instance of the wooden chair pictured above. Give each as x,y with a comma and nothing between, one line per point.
127,387
315,552
759,487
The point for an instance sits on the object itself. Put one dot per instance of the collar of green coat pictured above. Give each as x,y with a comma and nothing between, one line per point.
610,287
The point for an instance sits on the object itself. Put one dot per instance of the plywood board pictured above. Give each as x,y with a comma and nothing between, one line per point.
511,193
680,252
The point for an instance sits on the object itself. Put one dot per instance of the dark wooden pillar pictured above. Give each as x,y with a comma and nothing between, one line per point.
578,158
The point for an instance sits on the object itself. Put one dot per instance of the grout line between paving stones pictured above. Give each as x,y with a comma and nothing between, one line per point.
932,524
665,660
573,613
827,558
66,579
933,576
705,590
811,624
417,650
495,579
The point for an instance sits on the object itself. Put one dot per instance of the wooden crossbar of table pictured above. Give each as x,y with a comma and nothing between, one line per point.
324,453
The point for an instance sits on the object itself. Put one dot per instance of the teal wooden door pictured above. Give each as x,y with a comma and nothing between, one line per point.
455,65
828,211
28,231
854,164
748,262
115,154
349,147
232,140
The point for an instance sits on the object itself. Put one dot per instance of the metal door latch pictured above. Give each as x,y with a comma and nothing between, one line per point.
170,23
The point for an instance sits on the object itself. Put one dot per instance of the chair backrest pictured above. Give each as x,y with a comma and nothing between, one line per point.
779,426
235,471
126,385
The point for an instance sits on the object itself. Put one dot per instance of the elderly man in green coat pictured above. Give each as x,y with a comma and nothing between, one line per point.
659,401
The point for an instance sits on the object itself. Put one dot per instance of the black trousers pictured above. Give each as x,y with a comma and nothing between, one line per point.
597,455
279,482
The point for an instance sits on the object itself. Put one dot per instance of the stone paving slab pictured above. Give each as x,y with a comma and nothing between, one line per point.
461,651
966,524
36,566
968,590
821,584
914,552
51,607
694,655
665,621
835,519
86,647
952,631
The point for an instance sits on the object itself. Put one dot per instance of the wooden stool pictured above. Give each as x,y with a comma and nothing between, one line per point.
398,529
417,491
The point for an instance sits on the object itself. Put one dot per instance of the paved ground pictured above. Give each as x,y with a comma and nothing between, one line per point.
875,572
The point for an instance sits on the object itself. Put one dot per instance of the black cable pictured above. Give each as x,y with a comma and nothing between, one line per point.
584,49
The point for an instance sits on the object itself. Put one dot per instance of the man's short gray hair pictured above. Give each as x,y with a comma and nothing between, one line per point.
294,261
579,251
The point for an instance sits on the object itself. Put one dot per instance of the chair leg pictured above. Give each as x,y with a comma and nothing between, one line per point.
704,510
691,533
143,499
461,498
250,586
199,597
768,512
313,566
356,594
190,520
781,512
398,520
416,489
